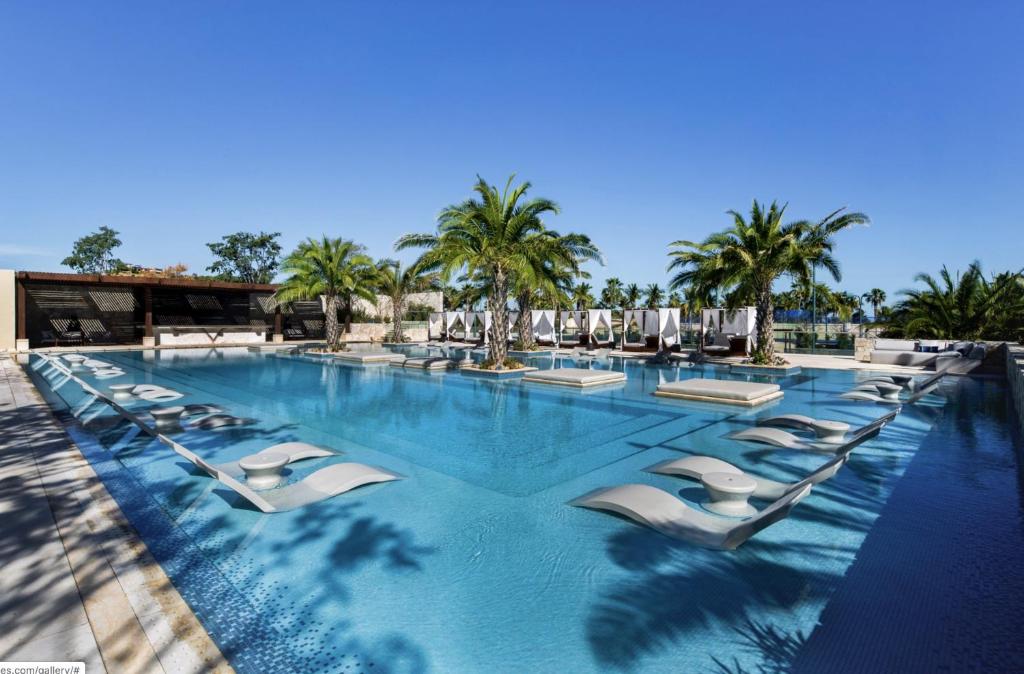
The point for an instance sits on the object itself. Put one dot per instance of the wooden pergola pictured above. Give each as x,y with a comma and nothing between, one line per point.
144,283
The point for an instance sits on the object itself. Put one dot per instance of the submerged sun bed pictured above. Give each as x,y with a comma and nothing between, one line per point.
294,451
575,377
722,391
366,357
321,485
695,467
787,440
668,515
426,363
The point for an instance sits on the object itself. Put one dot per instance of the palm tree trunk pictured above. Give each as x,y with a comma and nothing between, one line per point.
525,321
499,320
331,322
764,325
397,311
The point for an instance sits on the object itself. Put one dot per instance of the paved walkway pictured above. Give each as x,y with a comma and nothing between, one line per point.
77,583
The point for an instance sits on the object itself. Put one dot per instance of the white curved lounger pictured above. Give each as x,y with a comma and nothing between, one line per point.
694,467
775,436
295,451
215,421
666,514
824,429
781,438
323,484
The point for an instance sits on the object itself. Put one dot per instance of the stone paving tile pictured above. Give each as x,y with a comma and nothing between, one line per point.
78,584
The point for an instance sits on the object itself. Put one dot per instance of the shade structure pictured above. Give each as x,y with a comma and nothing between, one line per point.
599,320
542,323
435,326
454,321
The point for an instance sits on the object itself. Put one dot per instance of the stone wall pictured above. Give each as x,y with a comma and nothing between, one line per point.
1015,378
375,332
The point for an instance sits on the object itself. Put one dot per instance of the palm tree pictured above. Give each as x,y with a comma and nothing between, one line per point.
549,279
631,296
675,299
335,269
655,296
746,259
612,295
496,237
397,283
876,298
582,298
964,306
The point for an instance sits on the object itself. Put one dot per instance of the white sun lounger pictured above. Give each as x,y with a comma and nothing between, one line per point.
295,451
694,467
215,421
323,484
825,430
785,439
920,391
666,514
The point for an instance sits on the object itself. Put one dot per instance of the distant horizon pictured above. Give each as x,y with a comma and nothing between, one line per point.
178,125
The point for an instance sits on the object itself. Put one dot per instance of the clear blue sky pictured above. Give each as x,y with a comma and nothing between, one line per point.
176,123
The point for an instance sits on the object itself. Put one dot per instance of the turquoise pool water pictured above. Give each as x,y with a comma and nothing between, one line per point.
475,562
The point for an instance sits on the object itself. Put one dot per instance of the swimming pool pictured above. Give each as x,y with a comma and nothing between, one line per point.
475,561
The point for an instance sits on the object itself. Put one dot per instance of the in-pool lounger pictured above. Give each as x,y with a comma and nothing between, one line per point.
787,440
321,485
666,514
295,451
694,467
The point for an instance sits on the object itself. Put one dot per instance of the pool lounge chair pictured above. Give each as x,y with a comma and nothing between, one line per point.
863,393
694,467
295,451
784,439
668,515
319,486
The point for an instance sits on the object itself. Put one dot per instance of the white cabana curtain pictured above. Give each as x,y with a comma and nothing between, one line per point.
632,321
600,319
477,322
435,326
740,322
454,321
578,317
513,322
668,323
542,322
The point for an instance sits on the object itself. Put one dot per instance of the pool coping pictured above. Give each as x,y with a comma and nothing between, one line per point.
136,616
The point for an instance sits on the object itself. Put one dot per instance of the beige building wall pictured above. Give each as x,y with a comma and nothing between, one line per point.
7,310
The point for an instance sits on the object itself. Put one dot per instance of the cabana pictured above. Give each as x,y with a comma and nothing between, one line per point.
599,320
542,323
513,326
478,326
454,321
650,330
576,322
435,327
739,322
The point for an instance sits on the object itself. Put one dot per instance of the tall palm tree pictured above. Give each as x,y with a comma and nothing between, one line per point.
337,270
655,296
961,306
397,283
631,296
550,278
496,236
748,257
612,295
582,298
675,300
876,298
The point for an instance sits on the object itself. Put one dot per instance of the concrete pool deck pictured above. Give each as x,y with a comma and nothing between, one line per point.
78,583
